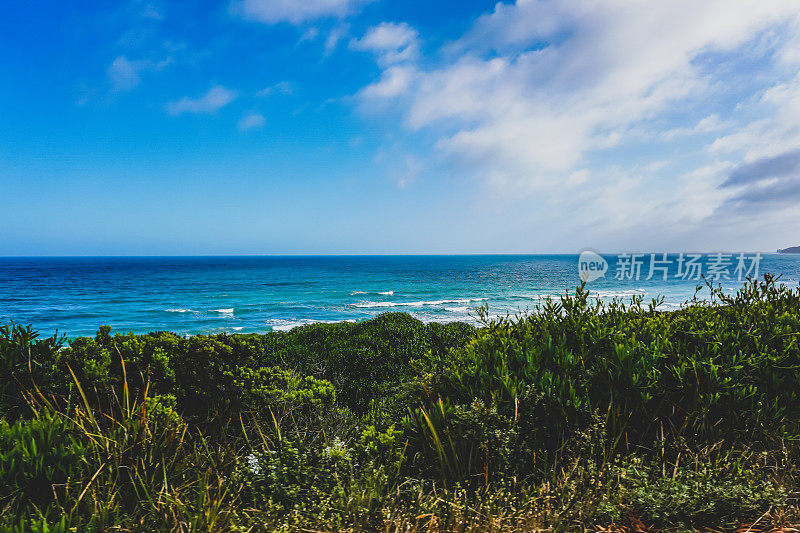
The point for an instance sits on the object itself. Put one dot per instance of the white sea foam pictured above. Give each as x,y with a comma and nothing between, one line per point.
386,293
180,310
453,317
456,309
238,328
357,292
281,324
456,301
421,303
535,296
224,311
618,294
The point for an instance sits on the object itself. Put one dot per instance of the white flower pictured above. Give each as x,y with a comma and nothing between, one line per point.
252,464
336,450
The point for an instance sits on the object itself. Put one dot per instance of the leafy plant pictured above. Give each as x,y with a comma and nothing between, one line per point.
38,459
579,413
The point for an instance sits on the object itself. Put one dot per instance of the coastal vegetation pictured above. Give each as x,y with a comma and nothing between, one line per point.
578,416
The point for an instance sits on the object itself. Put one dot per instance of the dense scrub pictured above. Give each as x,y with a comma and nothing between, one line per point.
578,416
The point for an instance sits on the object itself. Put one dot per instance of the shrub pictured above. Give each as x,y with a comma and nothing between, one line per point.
692,496
38,457
161,410
704,372
25,360
293,481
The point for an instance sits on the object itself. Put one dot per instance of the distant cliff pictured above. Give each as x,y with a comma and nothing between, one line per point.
791,250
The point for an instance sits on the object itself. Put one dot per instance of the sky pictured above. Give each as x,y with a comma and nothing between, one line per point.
384,126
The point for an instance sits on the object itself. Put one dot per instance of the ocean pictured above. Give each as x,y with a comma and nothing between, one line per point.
194,295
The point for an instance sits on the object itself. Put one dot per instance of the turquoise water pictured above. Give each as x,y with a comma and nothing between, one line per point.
191,295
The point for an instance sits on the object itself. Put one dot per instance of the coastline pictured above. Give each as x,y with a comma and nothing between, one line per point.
259,294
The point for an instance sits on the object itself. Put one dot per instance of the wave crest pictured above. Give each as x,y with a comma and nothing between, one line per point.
421,303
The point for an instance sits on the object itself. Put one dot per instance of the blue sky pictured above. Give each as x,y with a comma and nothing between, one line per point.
352,126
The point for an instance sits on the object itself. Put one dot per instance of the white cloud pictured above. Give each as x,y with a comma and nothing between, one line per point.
152,11
394,82
251,121
125,74
707,124
543,93
216,98
310,34
282,87
391,43
775,130
334,36
294,11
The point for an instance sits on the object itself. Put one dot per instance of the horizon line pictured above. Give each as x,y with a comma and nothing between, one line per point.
421,254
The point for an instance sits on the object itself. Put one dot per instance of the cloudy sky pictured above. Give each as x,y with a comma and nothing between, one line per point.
383,126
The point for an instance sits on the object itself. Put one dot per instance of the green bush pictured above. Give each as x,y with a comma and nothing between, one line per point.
161,410
292,480
260,388
25,360
364,361
10,524
38,457
704,372
692,496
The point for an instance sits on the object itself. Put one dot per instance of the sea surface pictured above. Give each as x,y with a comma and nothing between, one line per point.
193,295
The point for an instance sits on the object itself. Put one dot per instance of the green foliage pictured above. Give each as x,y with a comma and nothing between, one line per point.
689,496
291,483
364,361
705,372
38,457
383,445
580,413
32,525
293,479
161,410
25,359
262,387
